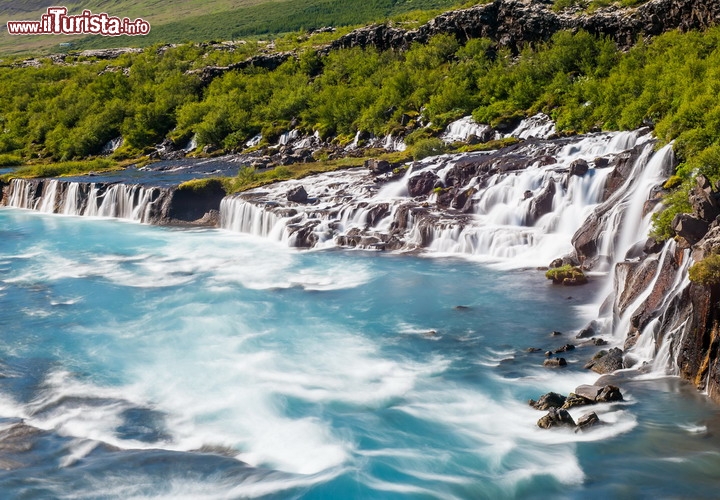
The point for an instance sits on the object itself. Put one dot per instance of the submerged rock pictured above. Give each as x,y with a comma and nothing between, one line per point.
555,362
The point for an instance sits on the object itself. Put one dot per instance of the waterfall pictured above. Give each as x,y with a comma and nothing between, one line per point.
520,214
461,130
191,144
134,202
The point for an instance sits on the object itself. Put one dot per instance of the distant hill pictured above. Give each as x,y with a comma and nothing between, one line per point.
202,20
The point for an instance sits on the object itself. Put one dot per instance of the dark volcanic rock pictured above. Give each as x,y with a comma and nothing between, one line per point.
547,401
378,166
513,23
297,195
542,203
703,200
556,418
592,329
689,227
579,168
652,246
606,361
609,394
574,400
588,420
565,348
421,184
600,394
555,362
197,205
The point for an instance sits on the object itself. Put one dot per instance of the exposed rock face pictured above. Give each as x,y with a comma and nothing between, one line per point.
543,202
198,206
265,61
512,23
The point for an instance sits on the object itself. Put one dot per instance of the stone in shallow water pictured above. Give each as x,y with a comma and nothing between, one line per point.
555,362
588,420
574,400
556,418
547,401
606,361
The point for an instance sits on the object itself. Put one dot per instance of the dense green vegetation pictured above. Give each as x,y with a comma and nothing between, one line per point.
707,271
62,113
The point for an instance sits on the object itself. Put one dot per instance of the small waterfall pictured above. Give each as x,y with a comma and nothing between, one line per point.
191,145
539,126
237,214
626,224
134,202
112,145
461,130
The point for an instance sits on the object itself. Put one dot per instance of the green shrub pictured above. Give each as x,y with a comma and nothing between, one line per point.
675,202
707,271
428,147
10,161
198,185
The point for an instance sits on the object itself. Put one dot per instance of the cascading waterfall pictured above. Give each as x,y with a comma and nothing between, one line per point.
501,224
134,202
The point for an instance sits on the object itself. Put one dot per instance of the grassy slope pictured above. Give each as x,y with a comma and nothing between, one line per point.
157,13
197,20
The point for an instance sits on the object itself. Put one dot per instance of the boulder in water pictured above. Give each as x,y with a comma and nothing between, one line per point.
547,401
556,418
606,361
555,362
588,420
297,195
579,168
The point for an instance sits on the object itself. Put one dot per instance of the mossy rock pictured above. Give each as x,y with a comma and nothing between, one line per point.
567,275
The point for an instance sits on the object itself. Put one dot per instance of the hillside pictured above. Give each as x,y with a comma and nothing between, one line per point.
198,21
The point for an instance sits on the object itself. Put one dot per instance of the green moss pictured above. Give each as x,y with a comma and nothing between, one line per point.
61,169
566,274
707,271
673,182
198,185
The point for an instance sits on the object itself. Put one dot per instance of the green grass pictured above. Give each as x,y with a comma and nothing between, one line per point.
61,169
271,18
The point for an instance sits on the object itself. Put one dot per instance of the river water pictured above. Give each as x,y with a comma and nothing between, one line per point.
153,362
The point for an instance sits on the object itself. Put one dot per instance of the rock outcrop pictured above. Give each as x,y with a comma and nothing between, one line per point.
513,23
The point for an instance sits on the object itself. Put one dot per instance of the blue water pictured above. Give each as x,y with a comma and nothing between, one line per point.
172,363
165,173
